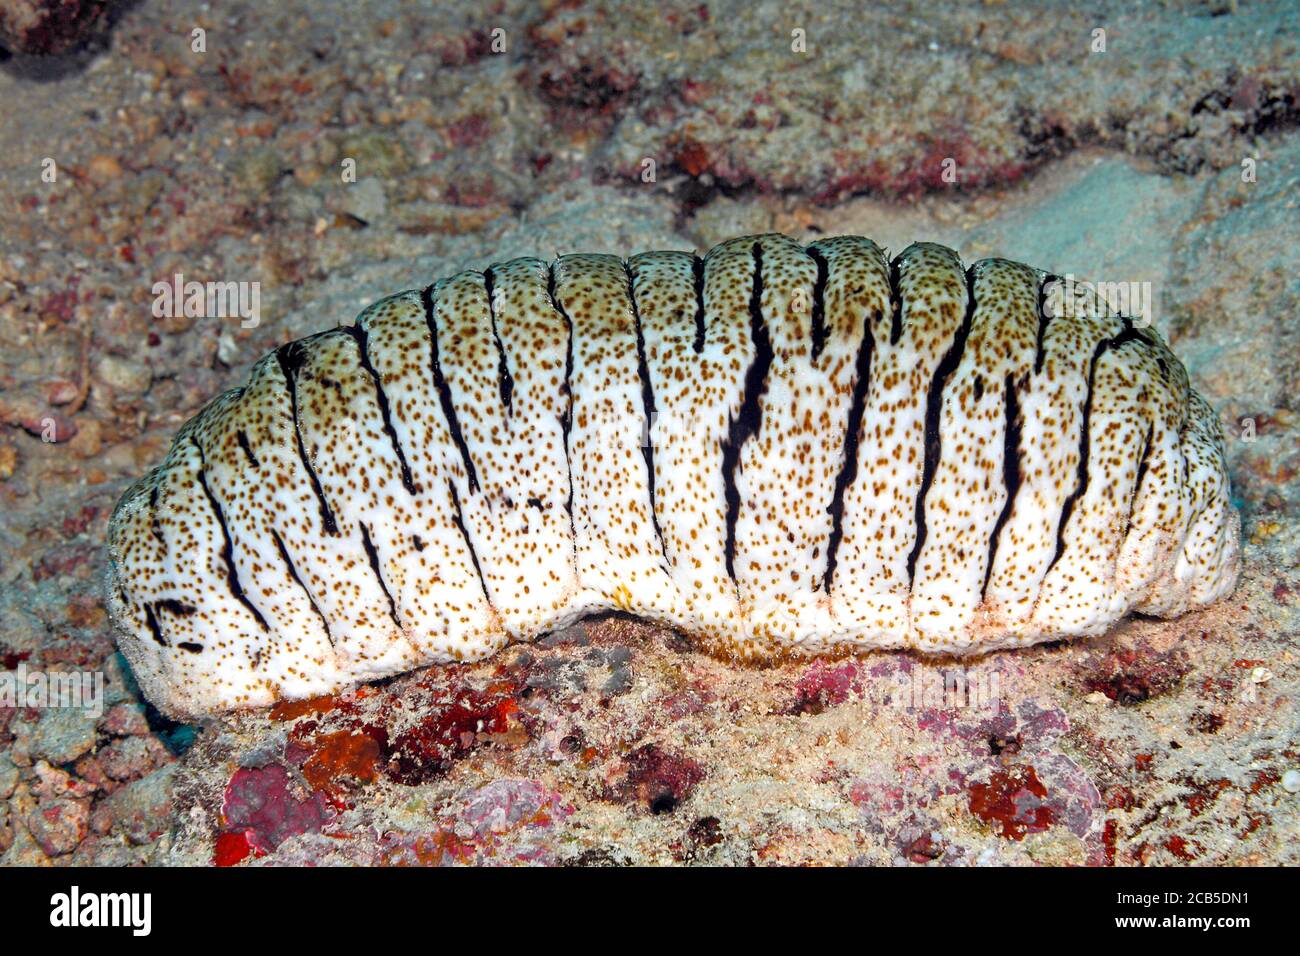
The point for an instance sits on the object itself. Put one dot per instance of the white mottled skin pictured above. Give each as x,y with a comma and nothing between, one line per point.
556,520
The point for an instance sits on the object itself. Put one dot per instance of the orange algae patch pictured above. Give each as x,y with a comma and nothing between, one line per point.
341,758
287,710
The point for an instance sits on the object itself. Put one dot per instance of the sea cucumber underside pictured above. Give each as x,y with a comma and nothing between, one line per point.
777,448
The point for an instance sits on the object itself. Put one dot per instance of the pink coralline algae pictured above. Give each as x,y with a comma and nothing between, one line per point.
909,788
996,730
262,808
504,821
505,805
826,684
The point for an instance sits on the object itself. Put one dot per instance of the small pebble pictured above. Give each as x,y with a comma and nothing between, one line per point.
54,782
142,810
126,758
89,440
258,171
1291,781
366,200
125,376
104,168
58,825
50,427
63,735
124,720
61,392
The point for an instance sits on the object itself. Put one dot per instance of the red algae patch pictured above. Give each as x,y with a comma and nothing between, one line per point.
1013,803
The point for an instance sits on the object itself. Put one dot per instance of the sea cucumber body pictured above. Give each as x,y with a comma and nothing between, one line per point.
779,449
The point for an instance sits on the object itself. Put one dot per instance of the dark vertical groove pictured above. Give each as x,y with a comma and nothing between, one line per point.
749,420
1081,484
697,273
1143,461
154,527
852,436
1043,320
818,325
248,451
1011,468
291,358
152,620
895,300
293,573
933,415
648,405
228,546
444,390
373,557
566,416
459,518
504,381
361,336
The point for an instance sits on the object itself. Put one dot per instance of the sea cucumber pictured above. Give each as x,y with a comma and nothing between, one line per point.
776,448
